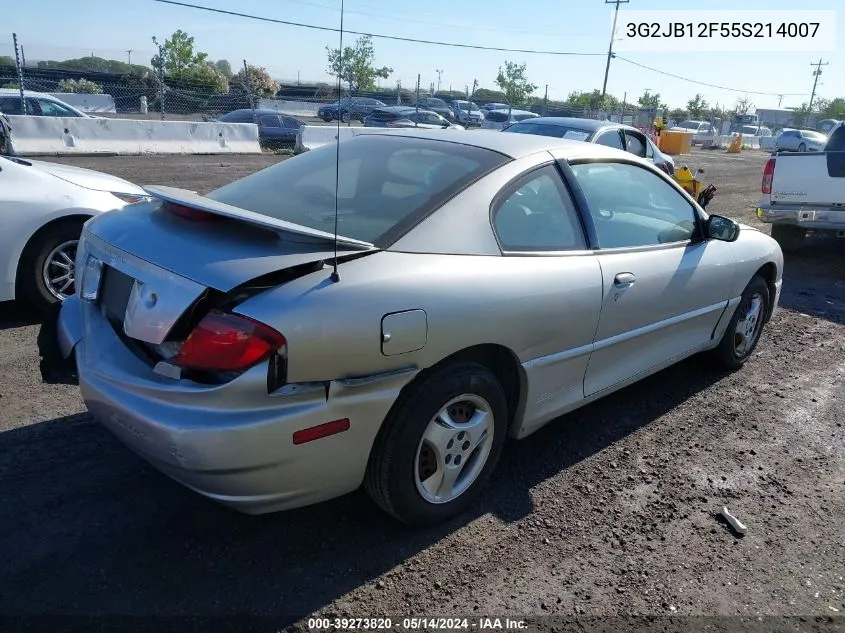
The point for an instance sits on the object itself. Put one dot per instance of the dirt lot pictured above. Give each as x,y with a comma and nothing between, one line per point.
607,511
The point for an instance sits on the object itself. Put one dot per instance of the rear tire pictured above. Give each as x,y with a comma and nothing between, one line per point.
789,237
44,269
802,148
746,326
418,442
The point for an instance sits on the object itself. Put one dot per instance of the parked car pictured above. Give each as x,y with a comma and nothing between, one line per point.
42,209
800,141
474,290
467,113
805,193
753,130
695,127
273,128
407,116
349,109
37,104
487,107
500,119
439,106
616,135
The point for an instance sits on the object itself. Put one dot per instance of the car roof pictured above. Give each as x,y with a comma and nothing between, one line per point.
512,145
516,111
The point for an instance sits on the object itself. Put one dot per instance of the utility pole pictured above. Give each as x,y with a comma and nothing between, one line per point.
129,54
23,58
546,101
816,73
780,99
20,73
610,46
439,72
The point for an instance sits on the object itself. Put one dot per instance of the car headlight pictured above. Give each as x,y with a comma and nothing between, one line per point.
131,198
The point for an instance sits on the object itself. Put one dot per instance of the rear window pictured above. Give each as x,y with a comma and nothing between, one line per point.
548,129
524,115
385,185
497,117
436,103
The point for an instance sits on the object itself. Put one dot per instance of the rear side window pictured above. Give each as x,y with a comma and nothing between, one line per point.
610,138
536,214
270,120
386,185
51,108
635,144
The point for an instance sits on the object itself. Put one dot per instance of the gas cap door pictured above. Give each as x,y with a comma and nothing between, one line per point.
403,332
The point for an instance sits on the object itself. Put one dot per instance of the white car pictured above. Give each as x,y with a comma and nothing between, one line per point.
500,119
42,209
694,127
37,104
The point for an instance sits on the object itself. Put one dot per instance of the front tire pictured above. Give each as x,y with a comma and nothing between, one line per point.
743,332
439,445
790,238
802,148
47,270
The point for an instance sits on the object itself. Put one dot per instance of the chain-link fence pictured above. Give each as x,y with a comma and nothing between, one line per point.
143,92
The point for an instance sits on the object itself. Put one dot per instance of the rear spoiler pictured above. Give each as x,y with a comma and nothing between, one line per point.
193,200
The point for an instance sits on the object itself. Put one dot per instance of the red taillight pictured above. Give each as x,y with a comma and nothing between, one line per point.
190,213
228,342
321,431
768,175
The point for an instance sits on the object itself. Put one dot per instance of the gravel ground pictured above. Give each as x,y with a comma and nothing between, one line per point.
609,511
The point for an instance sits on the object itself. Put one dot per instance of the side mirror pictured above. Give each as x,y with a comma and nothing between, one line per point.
721,228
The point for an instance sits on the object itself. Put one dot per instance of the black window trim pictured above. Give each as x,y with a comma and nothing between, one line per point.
699,215
602,131
511,186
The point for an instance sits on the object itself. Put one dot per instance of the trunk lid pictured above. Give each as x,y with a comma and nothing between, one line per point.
222,254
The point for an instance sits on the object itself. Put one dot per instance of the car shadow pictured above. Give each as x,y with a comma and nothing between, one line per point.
814,279
18,314
91,529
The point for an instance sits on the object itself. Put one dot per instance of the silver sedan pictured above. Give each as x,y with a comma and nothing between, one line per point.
480,286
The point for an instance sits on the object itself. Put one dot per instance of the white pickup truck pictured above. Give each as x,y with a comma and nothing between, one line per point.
805,192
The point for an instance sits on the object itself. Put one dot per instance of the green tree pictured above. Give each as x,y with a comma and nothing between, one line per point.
257,81
356,66
82,86
94,64
833,109
743,106
486,95
224,68
593,100
181,62
6,60
698,107
514,83
177,54
648,101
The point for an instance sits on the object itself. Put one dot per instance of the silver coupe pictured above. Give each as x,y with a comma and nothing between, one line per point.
481,284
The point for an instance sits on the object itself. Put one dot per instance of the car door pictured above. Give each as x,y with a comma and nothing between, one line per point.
290,127
664,288
536,224
269,126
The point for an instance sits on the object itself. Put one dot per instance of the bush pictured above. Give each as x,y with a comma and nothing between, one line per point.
82,86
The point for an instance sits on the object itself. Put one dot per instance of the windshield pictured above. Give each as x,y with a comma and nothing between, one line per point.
690,125
385,185
549,129
463,105
435,103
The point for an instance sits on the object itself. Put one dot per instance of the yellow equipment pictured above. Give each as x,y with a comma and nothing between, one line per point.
736,144
688,181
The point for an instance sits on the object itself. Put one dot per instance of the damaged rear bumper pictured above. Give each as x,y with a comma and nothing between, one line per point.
60,331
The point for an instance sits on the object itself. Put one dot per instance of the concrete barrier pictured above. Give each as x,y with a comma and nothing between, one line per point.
293,108
41,135
87,102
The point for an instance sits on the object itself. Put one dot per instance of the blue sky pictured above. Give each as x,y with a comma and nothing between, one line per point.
57,29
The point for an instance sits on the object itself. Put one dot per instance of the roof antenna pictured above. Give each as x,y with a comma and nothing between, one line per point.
335,277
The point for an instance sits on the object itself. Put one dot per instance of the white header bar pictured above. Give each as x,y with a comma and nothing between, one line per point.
690,31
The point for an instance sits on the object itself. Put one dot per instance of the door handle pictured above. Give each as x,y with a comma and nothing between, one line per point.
624,279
